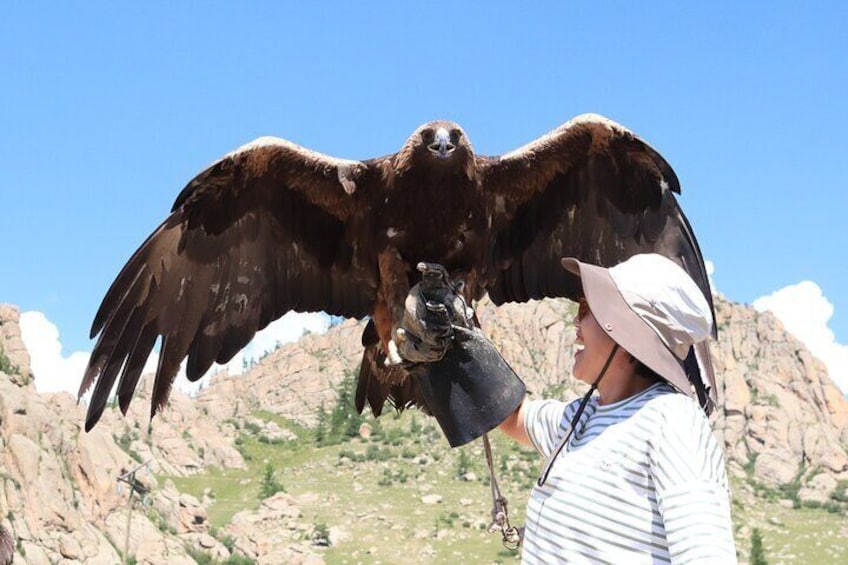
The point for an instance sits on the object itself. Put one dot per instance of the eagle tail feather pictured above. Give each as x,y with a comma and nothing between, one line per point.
378,383
369,390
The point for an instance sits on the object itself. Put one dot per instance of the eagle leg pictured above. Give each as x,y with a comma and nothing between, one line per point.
388,313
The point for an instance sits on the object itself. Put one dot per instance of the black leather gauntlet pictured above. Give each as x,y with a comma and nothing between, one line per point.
467,385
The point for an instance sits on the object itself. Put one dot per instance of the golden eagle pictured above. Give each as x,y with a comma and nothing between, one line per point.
273,227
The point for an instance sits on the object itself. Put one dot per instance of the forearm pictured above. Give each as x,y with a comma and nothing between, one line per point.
513,426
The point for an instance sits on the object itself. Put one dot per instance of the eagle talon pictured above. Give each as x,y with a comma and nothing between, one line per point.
436,307
401,336
393,357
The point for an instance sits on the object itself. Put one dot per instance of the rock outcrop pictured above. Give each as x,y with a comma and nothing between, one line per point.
782,422
782,418
59,495
274,533
60,499
293,381
12,350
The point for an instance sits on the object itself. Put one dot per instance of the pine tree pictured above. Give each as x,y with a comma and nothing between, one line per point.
269,486
321,428
344,420
758,554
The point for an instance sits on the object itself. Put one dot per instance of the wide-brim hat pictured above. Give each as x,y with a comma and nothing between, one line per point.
654,310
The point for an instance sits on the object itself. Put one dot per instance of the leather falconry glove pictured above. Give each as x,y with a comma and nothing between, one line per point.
434,312
467,386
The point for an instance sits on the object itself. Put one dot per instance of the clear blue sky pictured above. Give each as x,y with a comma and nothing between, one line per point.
107,110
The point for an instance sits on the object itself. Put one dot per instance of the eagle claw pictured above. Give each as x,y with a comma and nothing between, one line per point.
433,312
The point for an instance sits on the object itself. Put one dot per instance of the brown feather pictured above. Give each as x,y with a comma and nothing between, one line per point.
250,238
134,366
378,384
595,192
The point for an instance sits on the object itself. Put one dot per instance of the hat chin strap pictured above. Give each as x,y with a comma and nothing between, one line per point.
576,419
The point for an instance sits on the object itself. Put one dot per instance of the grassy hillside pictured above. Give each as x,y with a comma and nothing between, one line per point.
372,490
368,494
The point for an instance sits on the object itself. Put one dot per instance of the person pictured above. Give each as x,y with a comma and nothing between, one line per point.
633,473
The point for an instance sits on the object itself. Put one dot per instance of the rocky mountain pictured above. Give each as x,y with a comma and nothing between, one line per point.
783,423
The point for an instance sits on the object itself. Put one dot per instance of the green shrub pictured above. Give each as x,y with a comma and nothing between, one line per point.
758,555
237,559
414,426
6,365
375,453
252,427
752,461
321,535
201,557
395,437
834,507
269,486
390,477
463,464
840,493
226,540
352,455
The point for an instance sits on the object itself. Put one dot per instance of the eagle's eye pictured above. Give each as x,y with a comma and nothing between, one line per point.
456,134
427,134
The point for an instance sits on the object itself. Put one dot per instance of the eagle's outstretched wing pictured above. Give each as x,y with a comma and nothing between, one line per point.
264,230
589,189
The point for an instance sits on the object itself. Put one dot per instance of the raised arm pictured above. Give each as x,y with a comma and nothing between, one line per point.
514,425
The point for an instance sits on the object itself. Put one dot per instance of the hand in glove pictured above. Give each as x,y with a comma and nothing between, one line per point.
464,382
434,312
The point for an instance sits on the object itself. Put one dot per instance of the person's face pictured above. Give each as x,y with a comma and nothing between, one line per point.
594,345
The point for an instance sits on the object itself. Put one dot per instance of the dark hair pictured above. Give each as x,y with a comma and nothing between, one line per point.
646,371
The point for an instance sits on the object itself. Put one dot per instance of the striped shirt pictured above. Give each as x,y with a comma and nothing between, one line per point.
641,481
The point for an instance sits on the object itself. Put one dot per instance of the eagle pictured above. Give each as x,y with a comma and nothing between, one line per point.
273,227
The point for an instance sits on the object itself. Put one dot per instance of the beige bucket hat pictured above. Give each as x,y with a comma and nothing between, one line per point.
653,309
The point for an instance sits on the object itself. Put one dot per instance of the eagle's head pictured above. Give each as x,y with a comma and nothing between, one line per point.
440,145
442,139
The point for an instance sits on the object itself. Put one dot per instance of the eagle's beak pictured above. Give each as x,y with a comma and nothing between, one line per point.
442,146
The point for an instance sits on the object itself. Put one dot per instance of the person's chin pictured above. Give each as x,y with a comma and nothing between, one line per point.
578,371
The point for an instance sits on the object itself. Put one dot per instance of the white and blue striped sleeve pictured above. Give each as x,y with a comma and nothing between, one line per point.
691,484
545,422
